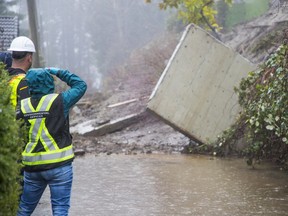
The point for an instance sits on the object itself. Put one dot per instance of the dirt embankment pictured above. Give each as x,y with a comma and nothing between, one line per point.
129,86
257,39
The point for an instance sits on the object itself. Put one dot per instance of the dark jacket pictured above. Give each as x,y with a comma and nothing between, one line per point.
41,83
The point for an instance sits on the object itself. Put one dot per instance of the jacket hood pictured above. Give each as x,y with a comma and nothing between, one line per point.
40,82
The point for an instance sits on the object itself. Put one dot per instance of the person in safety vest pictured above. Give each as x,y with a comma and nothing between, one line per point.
22,49
6,58
48,155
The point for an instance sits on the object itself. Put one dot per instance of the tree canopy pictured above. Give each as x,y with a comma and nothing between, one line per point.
200,12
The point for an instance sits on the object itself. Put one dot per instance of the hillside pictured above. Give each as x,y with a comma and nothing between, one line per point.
257,39
134,81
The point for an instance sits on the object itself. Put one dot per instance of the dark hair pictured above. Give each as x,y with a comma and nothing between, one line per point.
19,54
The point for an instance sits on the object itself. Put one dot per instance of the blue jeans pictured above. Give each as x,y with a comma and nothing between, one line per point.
60,183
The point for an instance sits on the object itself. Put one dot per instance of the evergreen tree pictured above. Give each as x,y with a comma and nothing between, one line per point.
9,150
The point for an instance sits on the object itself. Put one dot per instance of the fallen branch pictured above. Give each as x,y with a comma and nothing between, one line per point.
122,103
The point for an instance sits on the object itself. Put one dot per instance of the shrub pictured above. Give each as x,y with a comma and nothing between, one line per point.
9,150
264,99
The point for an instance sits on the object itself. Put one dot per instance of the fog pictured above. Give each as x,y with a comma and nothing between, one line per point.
91,37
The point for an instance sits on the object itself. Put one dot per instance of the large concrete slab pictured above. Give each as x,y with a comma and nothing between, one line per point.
195,93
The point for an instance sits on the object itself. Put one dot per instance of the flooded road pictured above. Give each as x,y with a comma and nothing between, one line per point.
142,185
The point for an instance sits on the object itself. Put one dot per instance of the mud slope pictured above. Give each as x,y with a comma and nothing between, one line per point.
133,82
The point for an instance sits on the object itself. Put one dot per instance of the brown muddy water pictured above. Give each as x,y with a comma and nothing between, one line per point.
146,185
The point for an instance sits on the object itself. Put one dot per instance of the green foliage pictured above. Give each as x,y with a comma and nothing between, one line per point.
200,12
9,150
215,15
264,99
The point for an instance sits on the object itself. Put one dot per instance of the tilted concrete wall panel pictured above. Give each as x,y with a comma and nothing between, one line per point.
195,93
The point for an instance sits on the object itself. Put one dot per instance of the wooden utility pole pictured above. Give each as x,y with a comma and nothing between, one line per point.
32,14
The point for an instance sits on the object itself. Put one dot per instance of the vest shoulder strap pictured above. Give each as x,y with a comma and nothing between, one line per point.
14,82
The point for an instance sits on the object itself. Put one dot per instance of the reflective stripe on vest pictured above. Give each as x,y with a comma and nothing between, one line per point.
14,82
38,131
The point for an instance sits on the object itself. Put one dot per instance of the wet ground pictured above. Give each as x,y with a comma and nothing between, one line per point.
131,183
173,185
148,135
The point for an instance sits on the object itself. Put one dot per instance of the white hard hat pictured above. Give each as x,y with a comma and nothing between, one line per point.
22,44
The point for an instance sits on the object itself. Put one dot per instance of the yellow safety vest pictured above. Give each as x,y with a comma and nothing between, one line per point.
39,132
14,82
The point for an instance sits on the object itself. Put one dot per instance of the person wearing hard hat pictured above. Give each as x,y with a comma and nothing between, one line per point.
22,49
48,154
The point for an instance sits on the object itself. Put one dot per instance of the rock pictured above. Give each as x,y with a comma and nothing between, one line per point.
79,152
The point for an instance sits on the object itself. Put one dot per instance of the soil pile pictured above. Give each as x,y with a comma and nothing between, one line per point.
127,91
